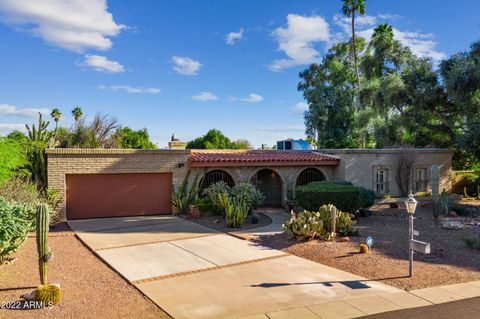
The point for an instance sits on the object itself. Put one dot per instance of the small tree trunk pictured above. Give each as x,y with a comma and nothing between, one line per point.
354,46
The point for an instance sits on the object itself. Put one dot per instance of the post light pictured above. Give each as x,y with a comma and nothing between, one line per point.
410,205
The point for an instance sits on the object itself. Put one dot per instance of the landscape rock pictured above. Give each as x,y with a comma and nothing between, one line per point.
452,224
343,239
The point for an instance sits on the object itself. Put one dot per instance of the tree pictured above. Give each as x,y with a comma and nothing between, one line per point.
349,9
77,114
329,89
214,139
12,157
243,144
56,115
128,138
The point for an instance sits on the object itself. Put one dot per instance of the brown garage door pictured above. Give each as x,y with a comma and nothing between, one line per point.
113,195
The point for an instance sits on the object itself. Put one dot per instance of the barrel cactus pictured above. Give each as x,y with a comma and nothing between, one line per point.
48,294
363,248
44,252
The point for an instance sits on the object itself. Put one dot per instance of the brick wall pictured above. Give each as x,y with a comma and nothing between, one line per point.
358,165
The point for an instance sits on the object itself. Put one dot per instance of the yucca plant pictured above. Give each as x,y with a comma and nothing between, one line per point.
40,138
236,210
185,196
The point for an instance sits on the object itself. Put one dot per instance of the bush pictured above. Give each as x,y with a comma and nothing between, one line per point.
472,243
236,210
205,205
213,192
309,225
344,196
243,192
16,220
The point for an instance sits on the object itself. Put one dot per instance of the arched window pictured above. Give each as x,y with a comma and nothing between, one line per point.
215,176
309,175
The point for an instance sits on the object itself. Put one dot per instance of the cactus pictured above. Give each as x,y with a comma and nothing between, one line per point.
363,249
44,252
48,294
444,201
435,181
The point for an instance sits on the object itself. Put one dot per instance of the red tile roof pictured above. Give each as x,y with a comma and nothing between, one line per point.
206,158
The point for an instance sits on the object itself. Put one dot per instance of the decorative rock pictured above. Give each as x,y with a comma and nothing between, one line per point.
452,214
452,224
343,239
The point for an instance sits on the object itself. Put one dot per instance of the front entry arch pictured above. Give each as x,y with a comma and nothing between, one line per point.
270,184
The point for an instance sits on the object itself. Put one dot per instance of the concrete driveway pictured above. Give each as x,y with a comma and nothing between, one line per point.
192,271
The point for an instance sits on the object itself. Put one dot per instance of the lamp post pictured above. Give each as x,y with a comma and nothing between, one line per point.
410,205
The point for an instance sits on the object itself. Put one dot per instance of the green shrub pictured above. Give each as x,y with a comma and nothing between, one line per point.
16,220
236,210
309,225
20,190
472,243
242,192
213,192
205,205
344,196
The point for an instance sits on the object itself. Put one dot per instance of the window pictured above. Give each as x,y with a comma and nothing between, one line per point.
420,179
381,180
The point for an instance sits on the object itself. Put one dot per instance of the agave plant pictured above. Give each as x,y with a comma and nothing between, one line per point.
185,196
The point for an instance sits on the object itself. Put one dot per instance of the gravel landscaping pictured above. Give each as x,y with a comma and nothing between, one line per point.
90,288
450,262
219,223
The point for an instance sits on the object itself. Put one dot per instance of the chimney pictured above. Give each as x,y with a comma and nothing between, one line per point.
175,143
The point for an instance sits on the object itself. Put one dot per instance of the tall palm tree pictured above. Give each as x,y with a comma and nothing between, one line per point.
349,9
56,115
77,114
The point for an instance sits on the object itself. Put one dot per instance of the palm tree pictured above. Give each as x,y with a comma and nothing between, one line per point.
77,114
56,115
349,9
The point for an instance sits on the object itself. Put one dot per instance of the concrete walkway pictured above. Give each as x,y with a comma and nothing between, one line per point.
192,271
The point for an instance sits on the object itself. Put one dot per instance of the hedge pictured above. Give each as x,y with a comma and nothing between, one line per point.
344,196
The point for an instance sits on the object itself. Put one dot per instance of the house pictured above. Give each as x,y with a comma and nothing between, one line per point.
123,182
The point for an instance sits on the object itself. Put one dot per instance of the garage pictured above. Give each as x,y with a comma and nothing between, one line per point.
115,195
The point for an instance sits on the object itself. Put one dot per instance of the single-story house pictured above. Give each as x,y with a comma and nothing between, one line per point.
124,182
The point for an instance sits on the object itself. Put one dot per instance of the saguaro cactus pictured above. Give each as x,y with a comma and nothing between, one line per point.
435,182
44,253
444,201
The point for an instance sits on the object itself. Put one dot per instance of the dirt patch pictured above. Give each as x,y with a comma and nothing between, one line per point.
450,262
90,288
219,223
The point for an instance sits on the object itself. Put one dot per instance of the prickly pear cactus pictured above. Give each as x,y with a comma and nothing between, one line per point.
44,253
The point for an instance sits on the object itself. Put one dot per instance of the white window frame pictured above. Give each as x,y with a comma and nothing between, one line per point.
381,180
421,185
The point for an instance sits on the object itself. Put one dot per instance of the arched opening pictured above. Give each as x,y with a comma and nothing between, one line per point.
215,176
270,184
309,175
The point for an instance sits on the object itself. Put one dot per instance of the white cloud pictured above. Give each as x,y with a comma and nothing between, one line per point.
6,128
297,39
291,128
74,25
11,110
130,89
421,44
300,108
102,64
185,65
205,97
233,36
253,98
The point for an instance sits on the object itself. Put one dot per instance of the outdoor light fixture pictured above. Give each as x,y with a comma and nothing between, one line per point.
180,165
411,204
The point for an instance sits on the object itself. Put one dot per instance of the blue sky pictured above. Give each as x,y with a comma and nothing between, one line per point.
184,67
